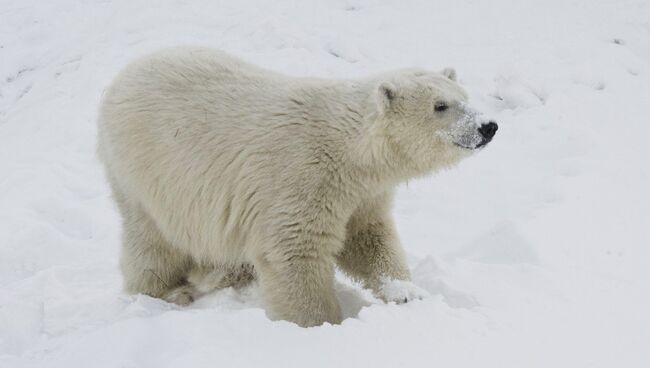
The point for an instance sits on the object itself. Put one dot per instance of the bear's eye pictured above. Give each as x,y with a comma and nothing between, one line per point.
440,106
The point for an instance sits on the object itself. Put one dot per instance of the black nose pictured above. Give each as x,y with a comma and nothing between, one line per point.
488,130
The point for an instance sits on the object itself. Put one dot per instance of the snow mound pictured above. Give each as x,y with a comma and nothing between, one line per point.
503,244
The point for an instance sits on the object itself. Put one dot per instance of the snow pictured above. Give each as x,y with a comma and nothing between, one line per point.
534,253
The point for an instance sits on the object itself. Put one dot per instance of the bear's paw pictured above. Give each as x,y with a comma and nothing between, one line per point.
400,291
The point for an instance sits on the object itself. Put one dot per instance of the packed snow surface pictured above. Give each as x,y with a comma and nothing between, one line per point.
533,253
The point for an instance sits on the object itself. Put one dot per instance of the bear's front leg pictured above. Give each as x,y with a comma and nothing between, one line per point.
373,255
299,288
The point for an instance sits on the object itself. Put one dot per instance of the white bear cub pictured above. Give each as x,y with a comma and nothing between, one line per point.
224,173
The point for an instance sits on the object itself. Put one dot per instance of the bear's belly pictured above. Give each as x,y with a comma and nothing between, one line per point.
208,218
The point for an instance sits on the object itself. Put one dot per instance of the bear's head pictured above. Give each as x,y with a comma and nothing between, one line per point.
423,121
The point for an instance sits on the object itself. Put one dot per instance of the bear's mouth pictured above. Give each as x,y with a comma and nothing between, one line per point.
480,144
483,143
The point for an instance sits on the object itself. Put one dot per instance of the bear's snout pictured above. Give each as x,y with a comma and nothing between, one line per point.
488,130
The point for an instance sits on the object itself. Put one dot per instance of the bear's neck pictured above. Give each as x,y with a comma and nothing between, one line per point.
346,114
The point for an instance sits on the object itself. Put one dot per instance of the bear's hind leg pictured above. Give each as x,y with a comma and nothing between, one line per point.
207,279
149,264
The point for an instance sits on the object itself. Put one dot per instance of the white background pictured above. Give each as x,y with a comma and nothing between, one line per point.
536,251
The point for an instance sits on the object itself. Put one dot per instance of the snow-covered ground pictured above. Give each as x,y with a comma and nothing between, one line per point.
536,251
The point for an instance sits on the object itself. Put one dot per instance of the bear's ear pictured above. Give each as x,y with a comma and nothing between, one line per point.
386,93
449,73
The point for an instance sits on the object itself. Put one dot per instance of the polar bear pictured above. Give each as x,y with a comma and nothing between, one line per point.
223,171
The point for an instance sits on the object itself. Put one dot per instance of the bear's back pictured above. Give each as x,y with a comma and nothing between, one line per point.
205,141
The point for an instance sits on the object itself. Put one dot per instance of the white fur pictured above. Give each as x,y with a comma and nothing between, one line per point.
216,164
